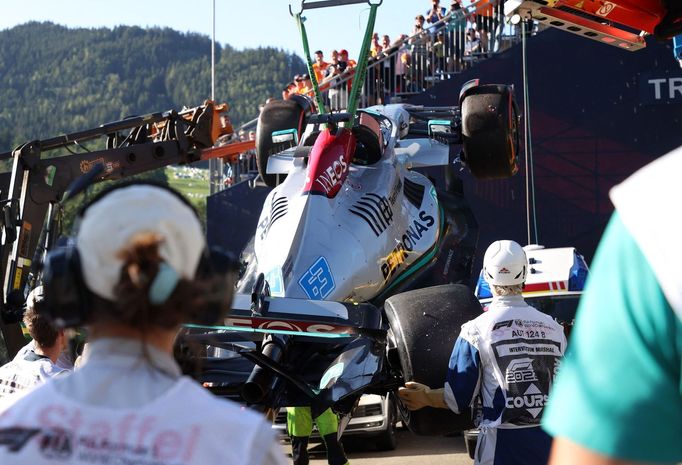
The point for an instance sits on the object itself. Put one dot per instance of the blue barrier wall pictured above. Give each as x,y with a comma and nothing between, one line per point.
598,114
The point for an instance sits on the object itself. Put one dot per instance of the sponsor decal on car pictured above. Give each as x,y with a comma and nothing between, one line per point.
332,175
281,325
376,210
396,190
318,282
275,281
406,243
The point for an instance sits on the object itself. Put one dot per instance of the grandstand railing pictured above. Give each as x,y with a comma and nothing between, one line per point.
422,60
391,77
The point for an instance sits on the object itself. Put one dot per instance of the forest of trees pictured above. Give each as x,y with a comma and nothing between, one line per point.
55,79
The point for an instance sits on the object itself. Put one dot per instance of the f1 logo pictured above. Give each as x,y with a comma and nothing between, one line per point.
318,281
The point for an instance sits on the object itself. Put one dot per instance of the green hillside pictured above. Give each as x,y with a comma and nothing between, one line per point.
54,79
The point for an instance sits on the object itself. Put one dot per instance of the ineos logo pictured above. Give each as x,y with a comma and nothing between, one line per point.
606,9
280,325
331,176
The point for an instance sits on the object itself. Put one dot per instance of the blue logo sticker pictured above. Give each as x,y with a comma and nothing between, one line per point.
274,279
318,281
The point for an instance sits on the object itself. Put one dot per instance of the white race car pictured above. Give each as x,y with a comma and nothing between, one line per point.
353,268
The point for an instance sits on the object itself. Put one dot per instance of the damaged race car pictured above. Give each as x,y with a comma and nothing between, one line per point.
355,269
351,284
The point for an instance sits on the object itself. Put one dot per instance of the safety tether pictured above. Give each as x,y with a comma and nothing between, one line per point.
531,214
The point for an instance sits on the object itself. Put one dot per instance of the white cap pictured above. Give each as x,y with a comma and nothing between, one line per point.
505,264
110,223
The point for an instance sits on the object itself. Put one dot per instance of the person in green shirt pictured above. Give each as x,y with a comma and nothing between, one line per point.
618,396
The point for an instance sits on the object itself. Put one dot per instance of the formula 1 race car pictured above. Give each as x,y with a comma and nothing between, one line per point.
353,268
354,273
352,282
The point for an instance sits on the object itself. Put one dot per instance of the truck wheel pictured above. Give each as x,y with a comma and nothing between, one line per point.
387,440
425,324
279,115
490,136
470,440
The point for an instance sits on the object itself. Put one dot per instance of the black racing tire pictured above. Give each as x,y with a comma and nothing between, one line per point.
425,324
279,115
387,439
490,136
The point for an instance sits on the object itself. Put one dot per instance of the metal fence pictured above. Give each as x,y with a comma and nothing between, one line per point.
414,64
418,62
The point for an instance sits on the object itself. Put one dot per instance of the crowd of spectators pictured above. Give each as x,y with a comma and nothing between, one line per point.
442,42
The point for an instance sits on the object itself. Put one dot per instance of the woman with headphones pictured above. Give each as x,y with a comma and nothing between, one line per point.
138,269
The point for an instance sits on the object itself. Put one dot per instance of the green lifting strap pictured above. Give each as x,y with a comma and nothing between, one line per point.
309,62
361,67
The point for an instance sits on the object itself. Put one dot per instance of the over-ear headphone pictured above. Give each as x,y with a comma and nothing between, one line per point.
68,302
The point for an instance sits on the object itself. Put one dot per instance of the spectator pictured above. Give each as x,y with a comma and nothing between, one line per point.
372,80
387,69
436,13
409,72
439,54
300,84
418,25
484,17
386,44
401,60
376,48
346,65
456,31
334,70
36,362
335,56
343,58
307,85
419,41
129,402
288,89
472,45
484,40
226,130
320,66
